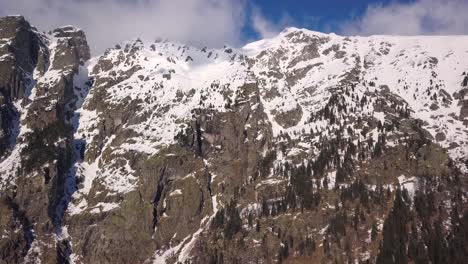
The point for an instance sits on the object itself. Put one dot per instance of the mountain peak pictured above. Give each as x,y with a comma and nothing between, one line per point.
292,30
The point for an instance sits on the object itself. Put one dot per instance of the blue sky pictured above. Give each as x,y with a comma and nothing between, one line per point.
215,23
319,15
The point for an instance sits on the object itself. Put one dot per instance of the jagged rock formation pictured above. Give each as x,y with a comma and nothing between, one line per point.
39,73
304,148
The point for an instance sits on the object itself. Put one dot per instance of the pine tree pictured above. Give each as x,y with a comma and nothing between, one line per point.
233,221
395,235
458,251
374,231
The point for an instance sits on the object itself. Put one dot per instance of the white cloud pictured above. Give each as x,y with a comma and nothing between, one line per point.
266,28
262,26
421,17
107,22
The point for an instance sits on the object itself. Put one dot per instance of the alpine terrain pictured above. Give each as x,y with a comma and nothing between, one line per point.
303,148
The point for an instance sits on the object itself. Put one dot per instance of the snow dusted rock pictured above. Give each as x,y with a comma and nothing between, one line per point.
40,94
21,52
291,148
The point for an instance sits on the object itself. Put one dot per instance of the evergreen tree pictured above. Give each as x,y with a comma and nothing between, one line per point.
374,231
458,250
233,221
395,236
250,219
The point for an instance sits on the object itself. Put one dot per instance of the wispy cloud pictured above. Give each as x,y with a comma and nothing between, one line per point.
106,22
421,17
266,28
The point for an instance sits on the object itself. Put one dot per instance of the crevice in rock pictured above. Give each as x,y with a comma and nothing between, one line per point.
199,139
63,250
202,202
46,175
210,178
157,197
76,153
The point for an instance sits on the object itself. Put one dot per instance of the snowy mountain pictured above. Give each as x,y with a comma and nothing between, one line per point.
303,148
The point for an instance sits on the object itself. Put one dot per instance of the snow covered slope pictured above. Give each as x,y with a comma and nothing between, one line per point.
297,72
427,72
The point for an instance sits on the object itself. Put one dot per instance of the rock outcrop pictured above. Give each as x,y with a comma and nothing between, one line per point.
47,64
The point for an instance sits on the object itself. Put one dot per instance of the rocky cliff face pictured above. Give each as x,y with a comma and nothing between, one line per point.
304,148
38,90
